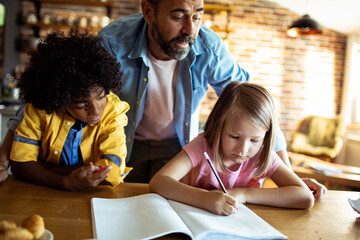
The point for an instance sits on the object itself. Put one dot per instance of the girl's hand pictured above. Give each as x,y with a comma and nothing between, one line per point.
238,193
84,177
220,203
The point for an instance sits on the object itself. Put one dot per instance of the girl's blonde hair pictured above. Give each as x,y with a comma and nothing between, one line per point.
251,100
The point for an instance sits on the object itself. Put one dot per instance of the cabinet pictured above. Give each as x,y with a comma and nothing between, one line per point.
63,14
1,49
218,17
5,114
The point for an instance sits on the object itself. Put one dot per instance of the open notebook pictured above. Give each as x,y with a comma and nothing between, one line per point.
150,216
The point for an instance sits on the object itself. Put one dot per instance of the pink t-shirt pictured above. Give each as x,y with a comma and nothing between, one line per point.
201,175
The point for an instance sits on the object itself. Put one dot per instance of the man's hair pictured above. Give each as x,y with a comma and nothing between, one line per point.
154,3
254,103
65,67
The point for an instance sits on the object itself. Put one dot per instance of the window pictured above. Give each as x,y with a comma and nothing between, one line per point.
353,78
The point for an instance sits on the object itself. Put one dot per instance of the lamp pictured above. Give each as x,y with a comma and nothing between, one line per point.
304,26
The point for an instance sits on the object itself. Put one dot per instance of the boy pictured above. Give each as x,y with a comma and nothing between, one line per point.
73,125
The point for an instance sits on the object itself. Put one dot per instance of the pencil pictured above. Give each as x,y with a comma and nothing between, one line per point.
215,173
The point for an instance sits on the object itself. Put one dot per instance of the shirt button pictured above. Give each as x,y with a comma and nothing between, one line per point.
187,124
145,79
134,123
68,123
137,102
129,140
56,152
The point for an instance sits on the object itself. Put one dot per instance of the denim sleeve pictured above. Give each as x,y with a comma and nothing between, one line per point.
14,122
280,142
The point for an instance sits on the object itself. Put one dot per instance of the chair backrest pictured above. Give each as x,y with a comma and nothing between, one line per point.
322,131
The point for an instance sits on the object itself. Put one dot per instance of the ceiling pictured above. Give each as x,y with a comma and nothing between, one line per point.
339,15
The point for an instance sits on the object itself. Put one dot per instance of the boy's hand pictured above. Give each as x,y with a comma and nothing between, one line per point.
86,177
3,173
4,163
220,203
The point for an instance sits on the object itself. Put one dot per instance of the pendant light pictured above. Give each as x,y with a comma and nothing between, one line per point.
304,26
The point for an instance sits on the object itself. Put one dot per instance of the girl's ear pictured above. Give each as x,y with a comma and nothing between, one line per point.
147,10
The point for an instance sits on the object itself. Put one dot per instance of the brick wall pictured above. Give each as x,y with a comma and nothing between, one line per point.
305,74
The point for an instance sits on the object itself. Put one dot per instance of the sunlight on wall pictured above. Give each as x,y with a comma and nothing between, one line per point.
353,97
355,78
304,74
319,83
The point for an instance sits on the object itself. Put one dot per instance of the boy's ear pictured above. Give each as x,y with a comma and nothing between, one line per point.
147,10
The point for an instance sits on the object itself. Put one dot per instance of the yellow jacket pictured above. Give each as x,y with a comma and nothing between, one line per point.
43,135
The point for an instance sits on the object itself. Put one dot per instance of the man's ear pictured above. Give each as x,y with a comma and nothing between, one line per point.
147,10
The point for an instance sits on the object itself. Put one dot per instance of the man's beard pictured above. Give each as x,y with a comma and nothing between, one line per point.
170,48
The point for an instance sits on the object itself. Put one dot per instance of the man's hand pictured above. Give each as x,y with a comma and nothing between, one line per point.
318,189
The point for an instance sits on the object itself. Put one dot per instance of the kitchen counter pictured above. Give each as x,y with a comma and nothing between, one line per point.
9,110
6,112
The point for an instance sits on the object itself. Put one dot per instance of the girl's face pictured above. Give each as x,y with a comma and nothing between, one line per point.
240,140
89,110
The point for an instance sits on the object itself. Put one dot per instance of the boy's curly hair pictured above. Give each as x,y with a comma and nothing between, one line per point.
66,67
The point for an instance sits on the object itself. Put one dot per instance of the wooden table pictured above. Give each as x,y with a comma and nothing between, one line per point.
350,176
68,216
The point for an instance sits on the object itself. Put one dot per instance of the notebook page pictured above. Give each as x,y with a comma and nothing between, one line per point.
142,217
245,224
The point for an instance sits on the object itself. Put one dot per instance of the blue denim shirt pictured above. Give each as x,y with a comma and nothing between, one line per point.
208,62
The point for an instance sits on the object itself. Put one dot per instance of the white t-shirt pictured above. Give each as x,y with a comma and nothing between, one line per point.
157,122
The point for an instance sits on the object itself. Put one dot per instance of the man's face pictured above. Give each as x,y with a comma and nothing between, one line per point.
173,27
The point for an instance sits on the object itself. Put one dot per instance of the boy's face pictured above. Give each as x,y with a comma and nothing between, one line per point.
89,110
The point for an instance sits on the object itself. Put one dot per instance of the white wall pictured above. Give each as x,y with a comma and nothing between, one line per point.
351,103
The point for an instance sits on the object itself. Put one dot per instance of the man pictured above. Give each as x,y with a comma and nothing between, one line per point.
167,67
168,58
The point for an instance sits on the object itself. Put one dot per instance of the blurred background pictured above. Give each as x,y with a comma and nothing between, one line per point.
308,74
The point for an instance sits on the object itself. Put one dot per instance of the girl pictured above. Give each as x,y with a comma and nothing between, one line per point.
72,123
238,136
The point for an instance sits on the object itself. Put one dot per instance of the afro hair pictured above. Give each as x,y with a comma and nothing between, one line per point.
65,67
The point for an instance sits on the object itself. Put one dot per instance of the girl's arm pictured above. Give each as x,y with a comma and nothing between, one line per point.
166,183
291,191
318,188
79,179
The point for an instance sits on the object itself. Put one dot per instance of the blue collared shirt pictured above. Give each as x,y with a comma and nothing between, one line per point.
71,152
208,62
